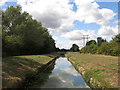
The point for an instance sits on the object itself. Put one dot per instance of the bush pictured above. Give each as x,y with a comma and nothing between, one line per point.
103,47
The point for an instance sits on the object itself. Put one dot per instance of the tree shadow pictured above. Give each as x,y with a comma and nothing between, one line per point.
16,69
38,79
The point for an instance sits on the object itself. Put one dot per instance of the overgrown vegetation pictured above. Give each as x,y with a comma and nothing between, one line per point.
103,47
23,35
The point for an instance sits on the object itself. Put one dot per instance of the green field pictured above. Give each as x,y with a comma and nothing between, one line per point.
100,67
16,68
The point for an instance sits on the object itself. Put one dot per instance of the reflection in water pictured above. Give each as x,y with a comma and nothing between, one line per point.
64,75
38,80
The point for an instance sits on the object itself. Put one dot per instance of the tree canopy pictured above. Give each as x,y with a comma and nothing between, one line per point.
90,42
74,48
24,35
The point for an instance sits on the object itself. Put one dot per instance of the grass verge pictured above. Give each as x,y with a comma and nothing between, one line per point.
16,68
96,69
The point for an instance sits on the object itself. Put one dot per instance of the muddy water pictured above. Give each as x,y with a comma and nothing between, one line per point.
64,75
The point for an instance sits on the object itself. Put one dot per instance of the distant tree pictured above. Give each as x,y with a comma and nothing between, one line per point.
85,49
117,38
92,48
103,47
74,48
64,50
57,49
91,42
100,41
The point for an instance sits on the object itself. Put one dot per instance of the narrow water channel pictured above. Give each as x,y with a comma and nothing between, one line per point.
64,75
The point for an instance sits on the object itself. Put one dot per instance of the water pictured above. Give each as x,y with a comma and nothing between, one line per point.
64,75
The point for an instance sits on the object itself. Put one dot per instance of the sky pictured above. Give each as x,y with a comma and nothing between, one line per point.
68,20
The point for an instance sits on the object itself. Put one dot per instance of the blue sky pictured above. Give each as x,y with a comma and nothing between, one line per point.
111,5
65,38
7,4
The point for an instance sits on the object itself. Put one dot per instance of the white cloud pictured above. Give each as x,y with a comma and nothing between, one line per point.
61,44
107,13
105,31
76,37
108,32
56,13
90,13
57,16
78,34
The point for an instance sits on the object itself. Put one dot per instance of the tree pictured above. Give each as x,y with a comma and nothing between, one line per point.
90,48
91,42
24,35
13,44
103,47
74,48
100,41
85,49
117,38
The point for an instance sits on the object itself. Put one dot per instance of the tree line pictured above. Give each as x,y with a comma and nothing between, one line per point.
21,34
103,47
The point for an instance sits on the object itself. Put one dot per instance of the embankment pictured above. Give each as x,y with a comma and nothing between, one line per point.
99,71
17,70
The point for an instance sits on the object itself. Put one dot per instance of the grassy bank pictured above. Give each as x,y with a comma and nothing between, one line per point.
16,68
96,69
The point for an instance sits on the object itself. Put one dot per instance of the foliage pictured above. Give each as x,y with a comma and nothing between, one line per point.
103,47
74,48
117,38
12,43
90,42
24,35
90,47
100,41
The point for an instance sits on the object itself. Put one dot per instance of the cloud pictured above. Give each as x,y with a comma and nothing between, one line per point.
107,13
90,13
105,31
60,44
108,31
58,16
78,34
117,21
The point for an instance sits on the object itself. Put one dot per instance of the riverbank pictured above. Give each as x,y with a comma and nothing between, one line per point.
16,68
99,71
